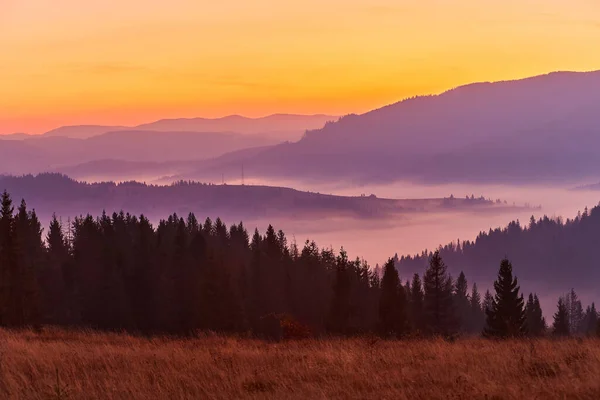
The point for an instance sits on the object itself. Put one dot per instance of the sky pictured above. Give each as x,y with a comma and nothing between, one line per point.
125,62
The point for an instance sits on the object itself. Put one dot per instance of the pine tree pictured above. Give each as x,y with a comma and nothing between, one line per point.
561,327
375,280
392,302
462,306
438,308
416,304
534,319
539,315
574,311
192,224
589,321
407,287
506,317
33,257
52,280
593,318
488,302
341,310
7,255
477,315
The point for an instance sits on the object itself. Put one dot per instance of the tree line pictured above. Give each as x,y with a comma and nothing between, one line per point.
119,272
562,250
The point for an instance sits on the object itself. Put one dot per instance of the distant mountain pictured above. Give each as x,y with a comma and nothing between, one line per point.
121,170
49,193
19,157
164,172
540,128
42,153
89,150
15,136
82,131
284,127
155,146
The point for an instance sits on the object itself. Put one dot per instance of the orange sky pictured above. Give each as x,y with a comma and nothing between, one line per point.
132,61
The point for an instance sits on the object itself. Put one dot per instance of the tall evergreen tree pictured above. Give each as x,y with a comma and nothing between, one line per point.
462,306
507,316
574,311
341,310
55,299
438,308
561,327
392,302
488,302
477,315
27,248
534,319
539,315
7,256
589,321
416,317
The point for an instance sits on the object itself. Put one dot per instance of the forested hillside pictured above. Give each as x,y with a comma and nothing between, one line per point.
560,253
118,272
57,193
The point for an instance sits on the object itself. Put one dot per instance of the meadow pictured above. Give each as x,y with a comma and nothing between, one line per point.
59,364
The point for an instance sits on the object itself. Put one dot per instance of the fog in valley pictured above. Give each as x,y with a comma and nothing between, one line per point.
376,238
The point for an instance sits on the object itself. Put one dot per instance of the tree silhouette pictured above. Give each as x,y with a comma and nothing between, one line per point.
7,256
438,308
53,275
392,303
574,310
341,307
561,327
534,319
477,315
416,307
506,318
118,272
462,306
590,320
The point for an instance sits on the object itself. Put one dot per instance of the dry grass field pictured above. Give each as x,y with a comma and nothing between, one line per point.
57,364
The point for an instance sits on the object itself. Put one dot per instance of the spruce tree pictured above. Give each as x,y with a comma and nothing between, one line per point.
341,310
416,304
574,312
392,302
488,302
462,306
507,316
561,327
438,308
533,317
539,315
54,291
7,255
30,254
375,279
477,316
593,319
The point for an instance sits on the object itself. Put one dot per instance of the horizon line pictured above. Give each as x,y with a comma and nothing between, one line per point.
318,114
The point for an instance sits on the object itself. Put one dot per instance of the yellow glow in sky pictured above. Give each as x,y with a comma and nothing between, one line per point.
131,61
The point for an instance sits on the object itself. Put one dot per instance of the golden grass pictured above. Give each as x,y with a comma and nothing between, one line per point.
119,366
